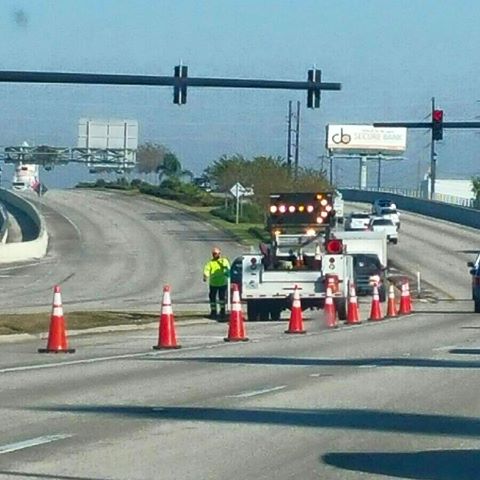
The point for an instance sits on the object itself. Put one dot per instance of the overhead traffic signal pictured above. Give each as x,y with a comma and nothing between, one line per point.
313,93
180,72
437,124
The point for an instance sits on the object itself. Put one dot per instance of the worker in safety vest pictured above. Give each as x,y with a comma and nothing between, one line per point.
217,272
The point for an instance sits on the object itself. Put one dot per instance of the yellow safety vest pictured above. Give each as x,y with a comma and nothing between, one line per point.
217,271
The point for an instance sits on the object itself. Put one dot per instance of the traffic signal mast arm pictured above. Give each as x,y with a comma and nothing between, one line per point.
180,81
427,124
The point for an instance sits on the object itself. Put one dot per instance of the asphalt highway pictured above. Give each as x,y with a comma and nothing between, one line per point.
391,399
110,251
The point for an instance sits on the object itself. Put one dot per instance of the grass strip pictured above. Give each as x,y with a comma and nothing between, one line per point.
34,323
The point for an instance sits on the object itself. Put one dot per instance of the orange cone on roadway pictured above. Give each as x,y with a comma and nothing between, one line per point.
376,308
405,305
296,319
353,313
409,297
391,307
236,327
166,332
330,310
57,338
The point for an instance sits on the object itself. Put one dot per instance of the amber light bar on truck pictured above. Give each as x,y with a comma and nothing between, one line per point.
311,209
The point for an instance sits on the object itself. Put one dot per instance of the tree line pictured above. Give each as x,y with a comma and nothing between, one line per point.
264,174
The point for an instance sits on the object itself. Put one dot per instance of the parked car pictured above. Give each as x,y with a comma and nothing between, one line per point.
357,221
475,274
368,269
380,224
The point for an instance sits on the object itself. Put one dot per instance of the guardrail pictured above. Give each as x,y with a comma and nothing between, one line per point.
431,208
416,193
21,251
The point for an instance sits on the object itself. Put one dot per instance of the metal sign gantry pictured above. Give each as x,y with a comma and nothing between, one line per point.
119,159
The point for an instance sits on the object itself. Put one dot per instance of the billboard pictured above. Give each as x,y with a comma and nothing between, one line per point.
366,139
108,134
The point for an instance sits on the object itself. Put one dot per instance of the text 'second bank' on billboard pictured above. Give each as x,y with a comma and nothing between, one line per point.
366,139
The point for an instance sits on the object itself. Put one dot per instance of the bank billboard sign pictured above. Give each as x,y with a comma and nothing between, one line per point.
366,139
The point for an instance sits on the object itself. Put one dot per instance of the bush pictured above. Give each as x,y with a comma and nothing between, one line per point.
250,213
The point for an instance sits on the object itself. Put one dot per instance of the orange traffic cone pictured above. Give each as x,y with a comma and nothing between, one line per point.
391,308
353,313
376,308
296,320
409,297
330,310
57,338
405,306
236,327
166,331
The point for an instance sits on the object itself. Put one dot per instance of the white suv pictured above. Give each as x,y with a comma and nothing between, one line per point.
380,224
390,213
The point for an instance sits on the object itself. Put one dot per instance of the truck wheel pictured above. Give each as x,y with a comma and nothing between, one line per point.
341,306
252,311
395,241
477,305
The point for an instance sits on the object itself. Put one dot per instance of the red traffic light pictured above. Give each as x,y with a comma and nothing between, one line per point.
437,116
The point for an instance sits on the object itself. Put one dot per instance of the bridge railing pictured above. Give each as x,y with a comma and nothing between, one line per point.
432,208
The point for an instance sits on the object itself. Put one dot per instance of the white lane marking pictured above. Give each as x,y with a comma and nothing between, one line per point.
95,360
253,393
32,442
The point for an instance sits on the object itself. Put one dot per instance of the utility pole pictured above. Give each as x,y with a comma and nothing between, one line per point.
296,142
289,137
297,136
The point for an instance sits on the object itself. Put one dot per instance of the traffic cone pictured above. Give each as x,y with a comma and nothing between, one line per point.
376,308
296,320
353,313
236,327
57,338
409,297
405,307
391,308
166,331
330,310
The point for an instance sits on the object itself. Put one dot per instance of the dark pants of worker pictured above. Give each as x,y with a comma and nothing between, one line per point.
221,292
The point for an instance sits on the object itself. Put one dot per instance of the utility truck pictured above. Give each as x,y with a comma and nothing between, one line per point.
369,251
300,255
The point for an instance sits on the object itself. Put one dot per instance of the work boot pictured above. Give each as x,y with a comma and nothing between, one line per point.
223,316
213,315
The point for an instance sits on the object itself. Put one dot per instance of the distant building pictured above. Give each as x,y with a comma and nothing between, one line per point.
449,190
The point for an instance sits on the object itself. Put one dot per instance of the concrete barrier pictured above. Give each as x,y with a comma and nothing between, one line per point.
21,251
431,208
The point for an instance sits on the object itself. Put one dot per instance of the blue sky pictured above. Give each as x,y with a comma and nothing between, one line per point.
390,56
